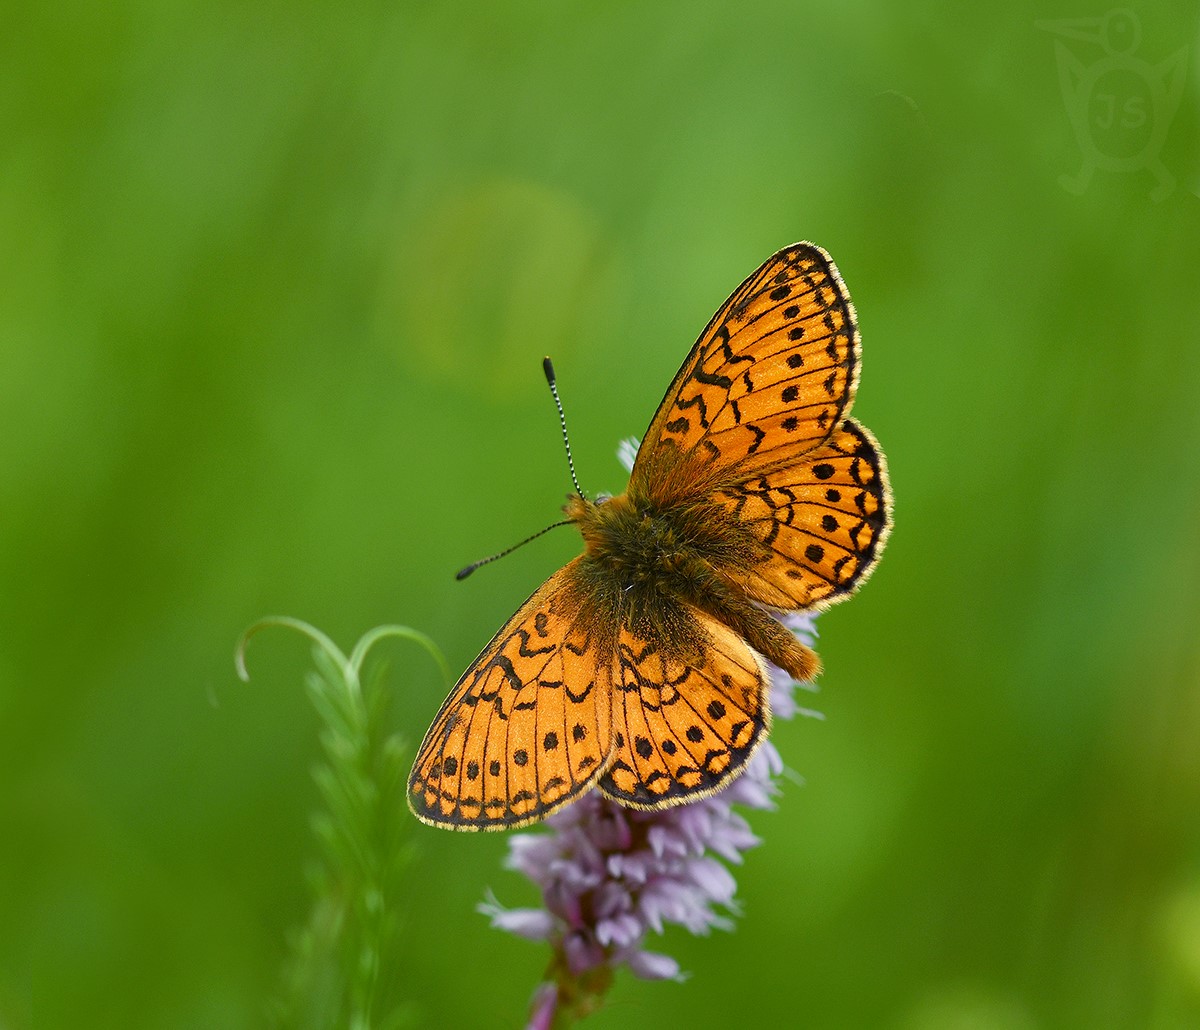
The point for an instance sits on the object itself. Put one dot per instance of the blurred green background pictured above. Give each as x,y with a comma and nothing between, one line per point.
275,283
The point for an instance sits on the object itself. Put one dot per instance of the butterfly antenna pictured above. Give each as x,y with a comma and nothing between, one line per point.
465,572
548,368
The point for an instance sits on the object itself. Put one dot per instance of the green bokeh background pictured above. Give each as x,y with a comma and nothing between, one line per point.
275,283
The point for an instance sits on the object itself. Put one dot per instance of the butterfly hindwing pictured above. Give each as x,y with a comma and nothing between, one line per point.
683,726
527,728
822,521
774,371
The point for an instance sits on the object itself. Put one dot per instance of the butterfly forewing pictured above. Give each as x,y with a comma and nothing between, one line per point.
683,726
822,520
527,728
774,371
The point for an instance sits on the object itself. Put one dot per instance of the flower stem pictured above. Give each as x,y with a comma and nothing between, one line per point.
564,999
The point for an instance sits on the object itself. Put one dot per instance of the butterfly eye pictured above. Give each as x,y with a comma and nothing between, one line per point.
602,498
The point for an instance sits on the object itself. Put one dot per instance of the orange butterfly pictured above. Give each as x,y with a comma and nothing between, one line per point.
638,667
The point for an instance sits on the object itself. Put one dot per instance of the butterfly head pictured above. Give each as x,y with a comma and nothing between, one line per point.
593,519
